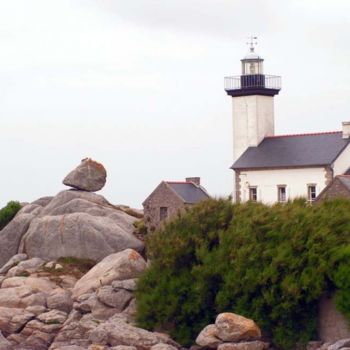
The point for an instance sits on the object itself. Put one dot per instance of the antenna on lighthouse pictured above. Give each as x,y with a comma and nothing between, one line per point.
252,42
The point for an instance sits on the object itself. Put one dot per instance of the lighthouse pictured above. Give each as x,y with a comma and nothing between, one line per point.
271,168
252,95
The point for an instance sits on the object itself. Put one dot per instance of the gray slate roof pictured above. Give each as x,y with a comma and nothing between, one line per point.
345,180
293,151
188,191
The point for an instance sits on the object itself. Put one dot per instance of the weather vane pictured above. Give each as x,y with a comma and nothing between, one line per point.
252,42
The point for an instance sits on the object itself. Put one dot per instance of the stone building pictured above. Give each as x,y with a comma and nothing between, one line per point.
275,168
338,188
169,198
332,325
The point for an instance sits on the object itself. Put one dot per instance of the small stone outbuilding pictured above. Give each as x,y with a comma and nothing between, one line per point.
332,325
338,188
169,198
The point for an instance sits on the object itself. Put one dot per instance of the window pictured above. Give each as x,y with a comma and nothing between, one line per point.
311,192
252,68
253,194
282,193
163,213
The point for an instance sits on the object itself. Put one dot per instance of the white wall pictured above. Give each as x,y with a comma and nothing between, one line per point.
253,120
267,181
342,163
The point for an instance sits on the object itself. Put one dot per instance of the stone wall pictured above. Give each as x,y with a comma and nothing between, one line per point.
237,187
162,197
332,325
328,175
335,190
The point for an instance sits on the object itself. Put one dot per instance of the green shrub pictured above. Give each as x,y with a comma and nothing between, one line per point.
268,263
140,228
8,212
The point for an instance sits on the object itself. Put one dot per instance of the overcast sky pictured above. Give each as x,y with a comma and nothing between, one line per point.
138,86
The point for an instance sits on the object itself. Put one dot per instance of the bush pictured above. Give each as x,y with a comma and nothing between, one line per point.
268,263
140,228
8,212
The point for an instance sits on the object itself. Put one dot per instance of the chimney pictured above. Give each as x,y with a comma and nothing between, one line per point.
197,180
346,130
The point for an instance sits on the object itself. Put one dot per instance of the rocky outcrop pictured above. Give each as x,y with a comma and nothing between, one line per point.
231,332
117,267
60,299
13,262
78,234
74,201
25,267
42,308
104,307
21,318
118,332
73,223
88,176
76,223
45,301
11,234
39,311
4,343
12,319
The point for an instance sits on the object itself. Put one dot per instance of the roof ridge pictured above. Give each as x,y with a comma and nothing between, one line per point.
306,134
179,182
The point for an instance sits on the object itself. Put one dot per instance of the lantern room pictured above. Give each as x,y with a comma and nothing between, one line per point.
252,63
252,81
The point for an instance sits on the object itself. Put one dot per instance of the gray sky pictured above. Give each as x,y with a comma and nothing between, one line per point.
138,86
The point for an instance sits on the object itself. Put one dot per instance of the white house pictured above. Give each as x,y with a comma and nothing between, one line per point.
270,168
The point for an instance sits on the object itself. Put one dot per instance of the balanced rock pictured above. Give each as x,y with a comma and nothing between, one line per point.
88,176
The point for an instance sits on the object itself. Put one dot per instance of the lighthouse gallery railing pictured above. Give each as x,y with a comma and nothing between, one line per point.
253,81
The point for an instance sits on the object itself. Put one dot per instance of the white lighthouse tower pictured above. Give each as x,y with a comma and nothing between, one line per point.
252,102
